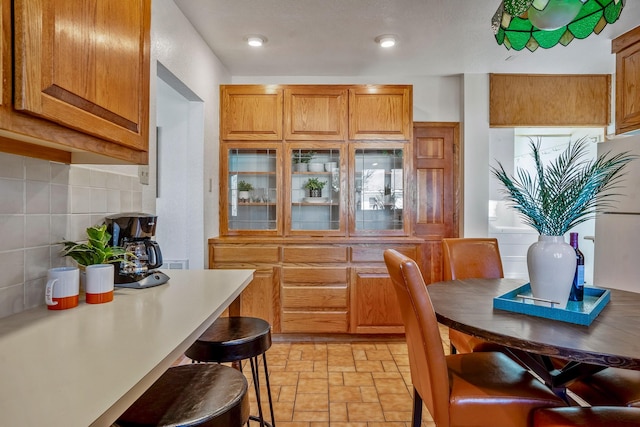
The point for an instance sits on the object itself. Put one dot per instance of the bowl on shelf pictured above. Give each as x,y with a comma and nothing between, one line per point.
316,167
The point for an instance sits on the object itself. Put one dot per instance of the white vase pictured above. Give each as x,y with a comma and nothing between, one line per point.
551,263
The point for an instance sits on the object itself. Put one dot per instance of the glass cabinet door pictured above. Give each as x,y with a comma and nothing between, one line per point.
378,191
252,190
317,196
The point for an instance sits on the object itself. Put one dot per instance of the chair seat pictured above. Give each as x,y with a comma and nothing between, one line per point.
610,387
480,380
230,339
465,343
597,416
192,395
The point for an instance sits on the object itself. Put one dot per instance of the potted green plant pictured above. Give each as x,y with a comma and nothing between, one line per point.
301,160
560,195
315,186
96,250
243,191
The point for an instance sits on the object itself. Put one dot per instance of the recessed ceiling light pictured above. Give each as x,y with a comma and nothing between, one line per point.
386,40
256,40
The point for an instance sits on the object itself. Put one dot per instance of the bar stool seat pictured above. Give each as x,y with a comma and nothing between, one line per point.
595,416
192,395
234,339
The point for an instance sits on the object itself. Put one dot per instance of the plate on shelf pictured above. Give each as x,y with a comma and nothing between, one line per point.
315,200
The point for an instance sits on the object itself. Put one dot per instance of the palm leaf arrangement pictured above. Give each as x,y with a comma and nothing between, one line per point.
97,249
568,191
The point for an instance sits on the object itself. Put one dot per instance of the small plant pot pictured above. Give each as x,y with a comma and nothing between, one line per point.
243,196
315,193
300,167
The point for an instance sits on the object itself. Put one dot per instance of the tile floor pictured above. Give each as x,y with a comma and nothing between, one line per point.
340,384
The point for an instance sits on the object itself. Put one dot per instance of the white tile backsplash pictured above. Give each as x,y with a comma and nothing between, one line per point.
12,192
36,230
12,232
37,170
38,196
12,267
44,203
11,166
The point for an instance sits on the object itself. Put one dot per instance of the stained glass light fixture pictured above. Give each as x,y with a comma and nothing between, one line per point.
545,23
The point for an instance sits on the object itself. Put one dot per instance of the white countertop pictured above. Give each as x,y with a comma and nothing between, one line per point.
86,365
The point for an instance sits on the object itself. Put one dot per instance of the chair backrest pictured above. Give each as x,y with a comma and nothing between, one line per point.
469,258
427,361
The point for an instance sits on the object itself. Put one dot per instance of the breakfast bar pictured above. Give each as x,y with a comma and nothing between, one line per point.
84,366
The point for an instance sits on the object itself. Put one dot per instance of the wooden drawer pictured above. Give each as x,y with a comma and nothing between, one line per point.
314,254
314,321
246,254
314,297
375,253
314,275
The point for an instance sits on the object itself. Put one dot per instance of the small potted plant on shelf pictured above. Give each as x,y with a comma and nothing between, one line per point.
553,200
301,160
315,186
243,191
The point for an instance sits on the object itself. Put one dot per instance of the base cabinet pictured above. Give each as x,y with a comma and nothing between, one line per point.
375,306
303,287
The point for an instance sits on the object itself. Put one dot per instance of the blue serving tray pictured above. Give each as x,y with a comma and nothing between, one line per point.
579,312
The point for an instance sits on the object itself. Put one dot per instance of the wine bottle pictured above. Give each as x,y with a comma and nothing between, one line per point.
577,288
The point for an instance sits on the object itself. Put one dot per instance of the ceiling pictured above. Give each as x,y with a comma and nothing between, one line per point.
336,38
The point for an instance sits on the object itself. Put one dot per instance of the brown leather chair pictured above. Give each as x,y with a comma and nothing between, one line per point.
472,389
610,387
596,416
469,258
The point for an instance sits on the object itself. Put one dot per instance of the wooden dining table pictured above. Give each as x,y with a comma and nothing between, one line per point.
611,340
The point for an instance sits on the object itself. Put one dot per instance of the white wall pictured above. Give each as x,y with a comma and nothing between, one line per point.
181,50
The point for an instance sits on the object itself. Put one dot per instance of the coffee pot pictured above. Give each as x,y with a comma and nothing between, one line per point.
134,232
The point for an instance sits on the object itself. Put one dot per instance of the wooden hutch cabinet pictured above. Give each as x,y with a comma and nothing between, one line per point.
627,50
318,254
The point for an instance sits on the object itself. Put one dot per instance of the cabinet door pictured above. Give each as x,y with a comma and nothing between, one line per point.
251,113
379,184
627,49
85,65
380,113
315,113
316,196
249,189
374,306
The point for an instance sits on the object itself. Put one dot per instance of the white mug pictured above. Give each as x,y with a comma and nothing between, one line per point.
62,288
99,283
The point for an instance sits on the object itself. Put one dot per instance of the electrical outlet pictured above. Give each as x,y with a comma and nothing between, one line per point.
143,174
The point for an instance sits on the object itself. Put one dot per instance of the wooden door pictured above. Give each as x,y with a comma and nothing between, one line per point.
435,148
85,65
627,50
375,308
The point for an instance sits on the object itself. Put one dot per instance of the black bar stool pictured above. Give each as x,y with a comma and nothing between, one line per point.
192,395
233,339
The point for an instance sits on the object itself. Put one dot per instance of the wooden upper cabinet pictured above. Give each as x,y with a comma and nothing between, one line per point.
517,100
315,113
627,50
251,113
380,113
85,65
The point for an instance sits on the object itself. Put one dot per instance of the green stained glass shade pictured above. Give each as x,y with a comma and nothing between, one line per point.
517,32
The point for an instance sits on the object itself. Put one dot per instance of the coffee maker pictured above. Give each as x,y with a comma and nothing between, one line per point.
134,233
